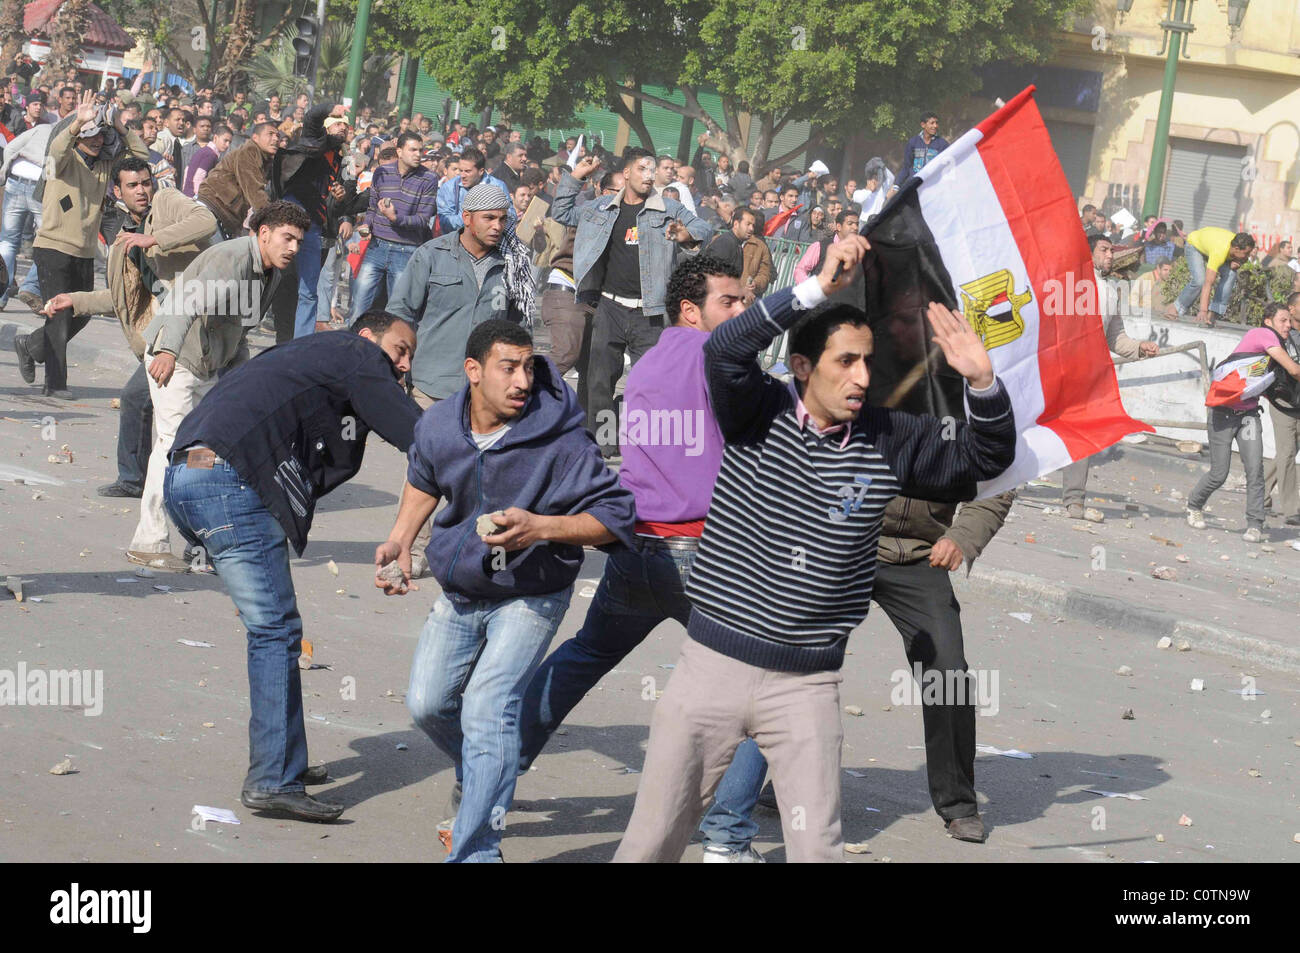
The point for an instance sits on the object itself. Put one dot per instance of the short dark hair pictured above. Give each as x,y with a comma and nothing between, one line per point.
1087,209
928,115
130,163
1094,240
279,213
404,137
791,187
261,127
222,129
743,166
1293,299
690,282
846,214
473,155
495,331
67,89
1243,240
810,335
634,154
377,322
532,177
742,210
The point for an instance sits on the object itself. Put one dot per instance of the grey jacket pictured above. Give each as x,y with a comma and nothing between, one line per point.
595,224
439,293
205,315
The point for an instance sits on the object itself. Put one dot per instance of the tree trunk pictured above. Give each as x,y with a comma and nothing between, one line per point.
632,116
11,31
239,49
68,27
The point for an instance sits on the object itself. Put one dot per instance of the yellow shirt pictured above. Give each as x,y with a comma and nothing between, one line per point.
1213,244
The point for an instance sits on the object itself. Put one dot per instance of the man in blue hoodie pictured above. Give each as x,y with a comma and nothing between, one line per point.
526,489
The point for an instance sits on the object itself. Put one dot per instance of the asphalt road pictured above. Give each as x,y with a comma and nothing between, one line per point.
173,730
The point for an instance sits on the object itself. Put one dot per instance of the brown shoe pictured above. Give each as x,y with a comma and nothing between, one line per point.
32,301
967,828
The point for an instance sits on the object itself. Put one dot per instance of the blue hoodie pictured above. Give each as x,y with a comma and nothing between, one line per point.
545,464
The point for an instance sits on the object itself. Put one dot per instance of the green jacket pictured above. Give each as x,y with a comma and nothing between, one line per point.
205,315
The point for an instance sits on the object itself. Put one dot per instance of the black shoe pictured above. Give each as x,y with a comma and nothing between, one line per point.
120,489
295,804
26,363
967,828
316,774
61,393
1293,520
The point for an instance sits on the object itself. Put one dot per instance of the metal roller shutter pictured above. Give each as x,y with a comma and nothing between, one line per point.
1203,184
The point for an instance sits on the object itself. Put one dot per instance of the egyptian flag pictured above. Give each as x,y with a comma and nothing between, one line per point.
1239,377
989,228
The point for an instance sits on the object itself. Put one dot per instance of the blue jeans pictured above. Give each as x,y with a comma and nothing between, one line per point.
636,593
20,211
307,262
467,682
216,510
384,261
1191,294
326,283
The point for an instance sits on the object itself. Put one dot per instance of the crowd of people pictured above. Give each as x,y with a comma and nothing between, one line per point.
431,256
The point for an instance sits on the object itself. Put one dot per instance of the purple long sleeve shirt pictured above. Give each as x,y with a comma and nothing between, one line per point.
671,444
415,200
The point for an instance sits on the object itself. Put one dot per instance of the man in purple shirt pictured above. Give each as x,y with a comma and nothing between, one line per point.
205,159
403,201
672,450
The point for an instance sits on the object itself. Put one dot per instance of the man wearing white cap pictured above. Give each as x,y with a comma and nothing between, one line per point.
64,248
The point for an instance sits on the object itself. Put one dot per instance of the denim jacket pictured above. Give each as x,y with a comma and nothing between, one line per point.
595,223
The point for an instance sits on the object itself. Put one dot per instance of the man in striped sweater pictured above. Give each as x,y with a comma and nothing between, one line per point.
788,557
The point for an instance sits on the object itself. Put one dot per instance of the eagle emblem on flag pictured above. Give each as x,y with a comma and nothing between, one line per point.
992,307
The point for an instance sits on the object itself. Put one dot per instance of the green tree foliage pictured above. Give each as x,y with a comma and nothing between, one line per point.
842,67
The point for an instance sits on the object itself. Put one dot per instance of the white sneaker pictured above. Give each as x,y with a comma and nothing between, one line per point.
1253,535
1195,518
717,854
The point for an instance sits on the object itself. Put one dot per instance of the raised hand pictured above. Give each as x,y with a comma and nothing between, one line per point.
961,346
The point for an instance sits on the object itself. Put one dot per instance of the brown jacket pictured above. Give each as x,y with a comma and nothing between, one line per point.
758,264
237,184
182,228
912,527
74,193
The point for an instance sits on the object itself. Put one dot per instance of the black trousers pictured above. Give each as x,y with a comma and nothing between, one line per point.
613,331
59,273
919,600
134,429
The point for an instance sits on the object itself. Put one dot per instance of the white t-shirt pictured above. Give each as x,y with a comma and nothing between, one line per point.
486,440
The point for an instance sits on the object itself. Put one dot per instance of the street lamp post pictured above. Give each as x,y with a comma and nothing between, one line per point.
1177,22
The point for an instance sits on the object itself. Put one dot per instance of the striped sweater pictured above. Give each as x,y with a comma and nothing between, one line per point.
788,557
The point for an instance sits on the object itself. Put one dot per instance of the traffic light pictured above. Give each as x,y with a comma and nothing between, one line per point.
304,44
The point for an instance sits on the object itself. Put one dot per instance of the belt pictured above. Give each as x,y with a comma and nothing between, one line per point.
625,302
21,178
685,543
196,458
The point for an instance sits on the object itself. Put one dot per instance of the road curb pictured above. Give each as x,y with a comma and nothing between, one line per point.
1123,616
117,357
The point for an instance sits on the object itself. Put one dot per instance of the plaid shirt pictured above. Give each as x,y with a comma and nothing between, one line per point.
415,200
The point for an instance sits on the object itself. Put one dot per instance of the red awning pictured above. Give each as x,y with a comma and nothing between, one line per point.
101,29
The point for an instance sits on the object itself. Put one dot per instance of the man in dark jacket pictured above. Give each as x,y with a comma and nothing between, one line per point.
248,465
307,174
729,245
526,489
920,150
